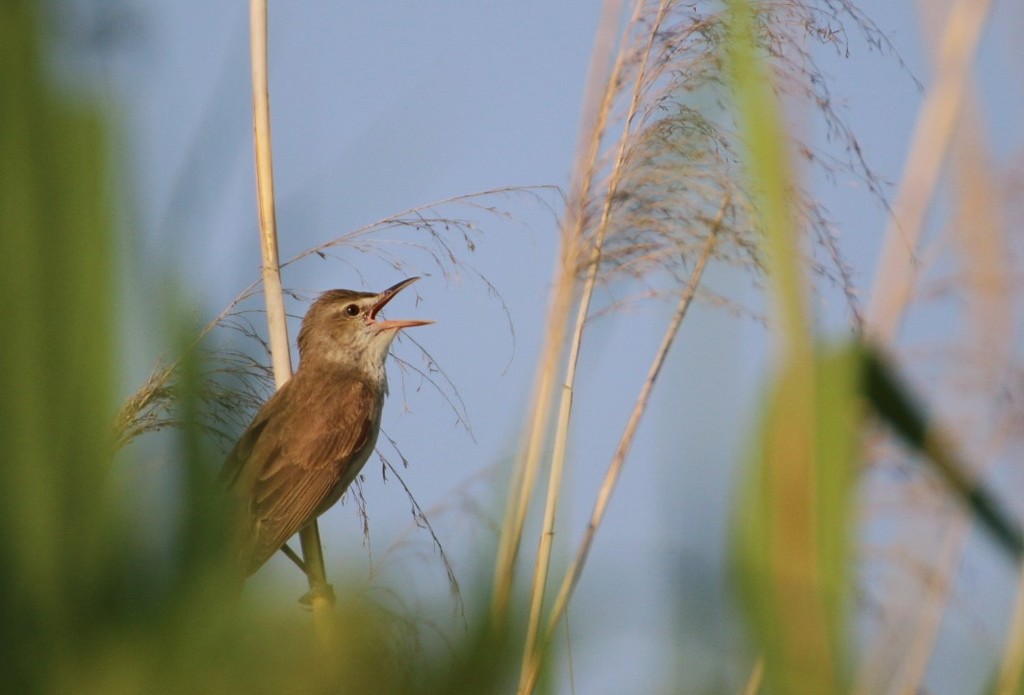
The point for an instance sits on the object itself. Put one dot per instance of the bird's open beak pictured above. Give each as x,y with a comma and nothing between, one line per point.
385,297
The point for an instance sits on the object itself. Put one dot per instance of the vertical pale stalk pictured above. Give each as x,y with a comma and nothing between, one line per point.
272,290
611,478
1009,681
280,352
898,266
521,491
531,650
924,615
598,101
753,686
951,56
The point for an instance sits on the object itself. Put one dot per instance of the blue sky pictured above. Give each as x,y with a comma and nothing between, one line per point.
379,107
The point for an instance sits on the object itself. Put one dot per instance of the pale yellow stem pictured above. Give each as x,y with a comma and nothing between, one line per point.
950,125
1010,670
597,107
531,653
898,267
277,325
756,677
611,477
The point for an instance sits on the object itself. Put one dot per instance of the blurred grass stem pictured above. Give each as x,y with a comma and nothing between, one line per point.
600,93
982,238
611,477
1009,681
898,266
531,653
753,686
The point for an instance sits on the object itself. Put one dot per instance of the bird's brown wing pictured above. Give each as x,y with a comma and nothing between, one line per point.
291,459
234,464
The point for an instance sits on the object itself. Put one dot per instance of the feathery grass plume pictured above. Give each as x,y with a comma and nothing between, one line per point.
237,378
681,152
234,385
657,155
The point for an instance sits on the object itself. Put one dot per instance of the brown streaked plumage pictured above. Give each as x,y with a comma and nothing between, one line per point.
311,438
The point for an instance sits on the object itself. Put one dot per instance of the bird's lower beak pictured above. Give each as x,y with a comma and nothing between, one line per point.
385,297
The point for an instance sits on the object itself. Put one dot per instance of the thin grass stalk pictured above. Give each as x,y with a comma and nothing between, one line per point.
273,293
521,492
938,586
753,686
600,95
984,255
531,654
964,139
898,266
277,327
994,327
927,614
611,477
1012,666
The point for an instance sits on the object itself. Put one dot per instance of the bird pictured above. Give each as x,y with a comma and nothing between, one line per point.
311,438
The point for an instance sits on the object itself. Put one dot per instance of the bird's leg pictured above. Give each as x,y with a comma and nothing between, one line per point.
322,589
325,591
312,552
294,557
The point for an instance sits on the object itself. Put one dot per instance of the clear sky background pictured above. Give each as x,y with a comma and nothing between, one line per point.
379,107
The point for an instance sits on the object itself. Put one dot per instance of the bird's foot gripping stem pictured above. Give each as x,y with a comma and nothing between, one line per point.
322,591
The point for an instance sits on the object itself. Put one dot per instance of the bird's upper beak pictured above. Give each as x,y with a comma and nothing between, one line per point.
385,297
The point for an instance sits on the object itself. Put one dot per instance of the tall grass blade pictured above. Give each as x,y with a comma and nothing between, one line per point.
56,358
792,530
791,526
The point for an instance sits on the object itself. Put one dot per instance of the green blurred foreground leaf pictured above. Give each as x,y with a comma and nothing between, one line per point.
791,538
55,360
793,524
792,533
85,607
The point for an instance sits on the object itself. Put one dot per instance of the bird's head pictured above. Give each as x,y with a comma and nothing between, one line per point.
342,329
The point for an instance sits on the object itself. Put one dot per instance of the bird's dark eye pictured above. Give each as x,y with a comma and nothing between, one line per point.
352,310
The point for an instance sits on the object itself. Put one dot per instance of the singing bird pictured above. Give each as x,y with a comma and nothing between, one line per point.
311,438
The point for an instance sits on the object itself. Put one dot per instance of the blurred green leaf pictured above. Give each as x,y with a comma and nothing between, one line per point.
791,535
793,525
792,529
56,357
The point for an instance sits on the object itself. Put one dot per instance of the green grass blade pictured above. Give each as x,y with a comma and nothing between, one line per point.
791,529
56,356
792,532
